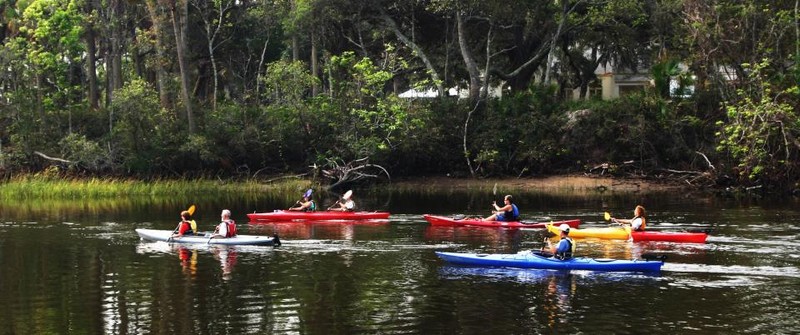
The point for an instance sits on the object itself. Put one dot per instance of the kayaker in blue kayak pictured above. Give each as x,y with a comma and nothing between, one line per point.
638,222
305,205
226,228
509,212
347,205
566,247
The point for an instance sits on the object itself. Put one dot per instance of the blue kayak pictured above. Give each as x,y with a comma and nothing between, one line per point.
531,260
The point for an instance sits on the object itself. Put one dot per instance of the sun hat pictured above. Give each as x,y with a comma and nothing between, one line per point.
564,227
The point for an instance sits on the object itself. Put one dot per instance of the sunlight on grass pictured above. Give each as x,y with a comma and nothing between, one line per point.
39,187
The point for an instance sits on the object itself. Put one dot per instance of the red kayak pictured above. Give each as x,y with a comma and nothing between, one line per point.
685,237
618,233
446,221
280,215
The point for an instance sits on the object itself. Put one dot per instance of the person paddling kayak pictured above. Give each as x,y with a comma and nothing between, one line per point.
347,205
638,222
509,212
305,205
566,247
226,228
186,226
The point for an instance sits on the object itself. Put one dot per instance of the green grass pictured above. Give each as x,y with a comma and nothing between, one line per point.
41,187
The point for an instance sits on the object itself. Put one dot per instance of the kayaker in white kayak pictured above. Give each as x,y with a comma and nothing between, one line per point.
638,222
509,211
305,205
566,247
347,205
187,226
226,228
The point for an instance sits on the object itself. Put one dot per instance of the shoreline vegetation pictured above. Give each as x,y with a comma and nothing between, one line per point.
704,94
48,187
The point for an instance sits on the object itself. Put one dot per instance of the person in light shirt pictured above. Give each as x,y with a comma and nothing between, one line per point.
638,222
347,205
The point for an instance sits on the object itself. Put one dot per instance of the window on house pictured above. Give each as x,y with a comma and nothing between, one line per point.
629,89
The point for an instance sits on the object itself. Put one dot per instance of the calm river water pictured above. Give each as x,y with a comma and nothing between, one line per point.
78,267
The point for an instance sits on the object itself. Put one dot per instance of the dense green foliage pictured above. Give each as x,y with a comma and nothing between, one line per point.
176,88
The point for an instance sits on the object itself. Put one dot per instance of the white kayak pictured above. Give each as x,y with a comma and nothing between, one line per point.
166,236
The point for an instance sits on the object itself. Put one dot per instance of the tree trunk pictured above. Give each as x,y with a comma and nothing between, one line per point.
179,27
417,51
117,37
565,10
212,31
91,66
469,60
314,62
161,74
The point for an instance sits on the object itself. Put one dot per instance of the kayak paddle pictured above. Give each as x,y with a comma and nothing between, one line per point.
607,216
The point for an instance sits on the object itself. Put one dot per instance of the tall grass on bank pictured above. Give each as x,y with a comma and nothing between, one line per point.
39,187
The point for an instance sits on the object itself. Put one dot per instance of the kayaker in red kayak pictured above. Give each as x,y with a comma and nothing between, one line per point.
509,212
347,206
186,226
226,228
638,222
305,205
565,247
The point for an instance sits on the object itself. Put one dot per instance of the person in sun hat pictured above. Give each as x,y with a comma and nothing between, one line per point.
346,205
305,205
566,247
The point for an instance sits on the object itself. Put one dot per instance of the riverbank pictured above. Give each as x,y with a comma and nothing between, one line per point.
549,183
39,187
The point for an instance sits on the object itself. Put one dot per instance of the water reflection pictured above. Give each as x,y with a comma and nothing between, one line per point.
499,239
188,261
334,230
227,256
557,287
383,277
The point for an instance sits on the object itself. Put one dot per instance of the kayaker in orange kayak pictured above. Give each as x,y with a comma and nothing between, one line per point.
509,212
638,222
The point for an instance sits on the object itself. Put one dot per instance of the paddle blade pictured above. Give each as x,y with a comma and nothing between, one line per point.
191,210
308,193
607,216
494,189
347,195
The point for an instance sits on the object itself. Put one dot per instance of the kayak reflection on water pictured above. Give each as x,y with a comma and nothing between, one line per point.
558,298
227,257
188,259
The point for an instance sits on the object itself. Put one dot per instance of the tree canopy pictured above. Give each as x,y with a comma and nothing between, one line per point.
183,87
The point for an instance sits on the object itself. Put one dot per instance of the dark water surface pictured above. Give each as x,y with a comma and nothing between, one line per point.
78,267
